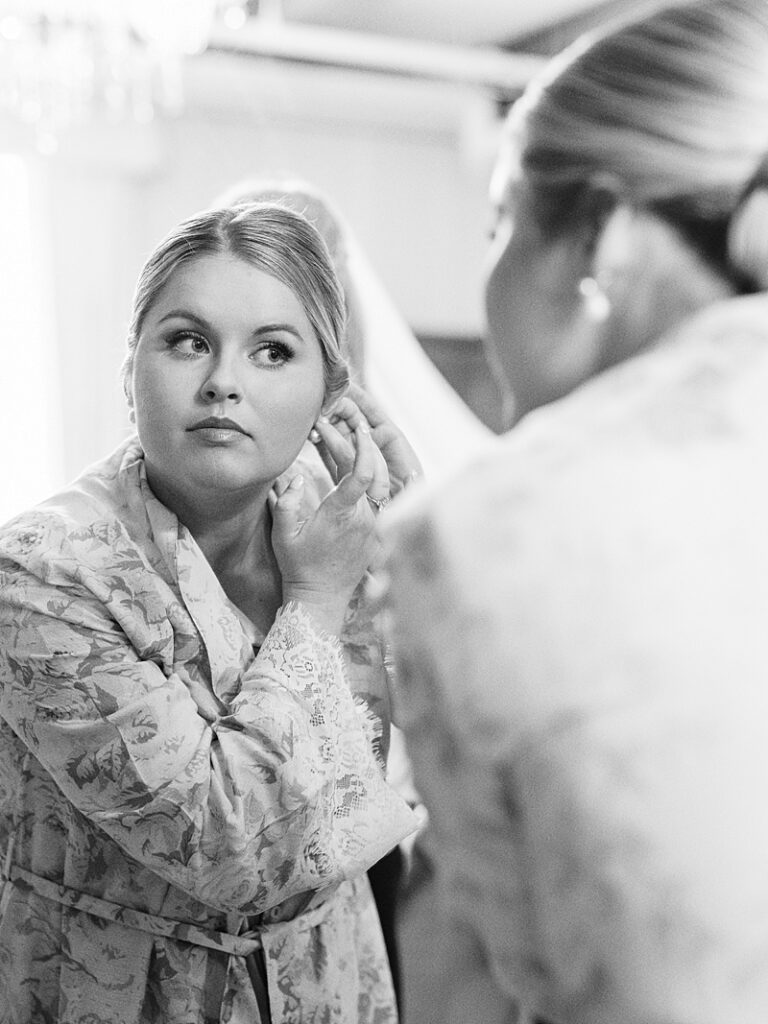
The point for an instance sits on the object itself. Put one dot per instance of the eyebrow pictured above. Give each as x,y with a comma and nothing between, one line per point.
185,314
276,328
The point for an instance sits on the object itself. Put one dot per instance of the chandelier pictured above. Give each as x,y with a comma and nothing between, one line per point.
67,62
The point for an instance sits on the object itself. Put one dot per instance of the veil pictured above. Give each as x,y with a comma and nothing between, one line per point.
385,355
403,379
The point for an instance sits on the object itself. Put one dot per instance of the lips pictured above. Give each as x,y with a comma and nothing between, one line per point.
218,423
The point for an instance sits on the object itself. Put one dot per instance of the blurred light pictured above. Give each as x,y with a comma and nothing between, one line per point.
66,62
235,16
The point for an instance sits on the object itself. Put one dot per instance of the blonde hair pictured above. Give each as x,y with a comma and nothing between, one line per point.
670,111
309,201
272,238
297,195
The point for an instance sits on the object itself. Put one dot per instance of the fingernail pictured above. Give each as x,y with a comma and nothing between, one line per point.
362,427
297,482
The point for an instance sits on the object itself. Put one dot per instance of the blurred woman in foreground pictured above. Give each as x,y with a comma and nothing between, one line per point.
581,614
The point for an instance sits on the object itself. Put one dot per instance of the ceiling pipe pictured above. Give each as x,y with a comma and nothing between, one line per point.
505,74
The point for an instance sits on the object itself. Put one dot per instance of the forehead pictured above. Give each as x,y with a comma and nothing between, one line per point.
225,280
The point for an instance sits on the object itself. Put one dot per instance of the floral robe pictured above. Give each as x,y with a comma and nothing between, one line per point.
582,627
187,810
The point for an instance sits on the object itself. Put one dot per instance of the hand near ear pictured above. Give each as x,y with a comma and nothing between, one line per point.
357,406
324,547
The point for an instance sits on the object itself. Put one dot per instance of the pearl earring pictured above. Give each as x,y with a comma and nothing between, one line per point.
596,302
314,436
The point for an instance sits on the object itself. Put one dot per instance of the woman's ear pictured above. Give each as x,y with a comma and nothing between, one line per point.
128,389
605,248
596,207
331,399
126,376
569,264
591,215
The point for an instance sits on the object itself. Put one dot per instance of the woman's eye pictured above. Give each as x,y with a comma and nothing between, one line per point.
273,353
188,344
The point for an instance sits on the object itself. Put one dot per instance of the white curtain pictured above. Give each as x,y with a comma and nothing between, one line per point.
30,418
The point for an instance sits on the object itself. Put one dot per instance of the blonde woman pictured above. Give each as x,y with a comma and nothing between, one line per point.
194,694
581,615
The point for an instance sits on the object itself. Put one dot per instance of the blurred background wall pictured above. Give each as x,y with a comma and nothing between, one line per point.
404,152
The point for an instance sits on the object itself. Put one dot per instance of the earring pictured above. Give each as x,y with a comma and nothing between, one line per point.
314,436
596,302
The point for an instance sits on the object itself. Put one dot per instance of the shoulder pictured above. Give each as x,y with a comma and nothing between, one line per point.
696,392
83,524
597,523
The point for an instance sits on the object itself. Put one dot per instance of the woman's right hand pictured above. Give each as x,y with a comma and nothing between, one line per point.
402,461
324,547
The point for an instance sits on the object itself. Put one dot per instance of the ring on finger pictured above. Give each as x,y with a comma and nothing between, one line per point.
378,503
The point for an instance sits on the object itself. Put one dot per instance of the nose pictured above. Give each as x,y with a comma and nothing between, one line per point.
221,383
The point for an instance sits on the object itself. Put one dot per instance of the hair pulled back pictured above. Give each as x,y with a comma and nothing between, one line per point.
670,111
272,238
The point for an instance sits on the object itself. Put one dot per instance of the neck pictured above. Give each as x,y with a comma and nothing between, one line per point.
235,541
661,282
229,529
234,532
238,547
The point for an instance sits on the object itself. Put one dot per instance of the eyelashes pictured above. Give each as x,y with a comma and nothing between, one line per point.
192,345
283,352
175,342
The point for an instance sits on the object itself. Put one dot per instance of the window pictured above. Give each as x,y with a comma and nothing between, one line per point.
30,463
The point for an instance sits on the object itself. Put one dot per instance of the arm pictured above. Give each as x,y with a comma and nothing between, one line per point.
277,795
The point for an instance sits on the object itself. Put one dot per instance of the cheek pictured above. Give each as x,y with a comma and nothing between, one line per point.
154,398
494,296
308,405
499,305
290,405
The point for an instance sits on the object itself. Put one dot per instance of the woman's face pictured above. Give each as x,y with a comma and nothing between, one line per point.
228,379
536,331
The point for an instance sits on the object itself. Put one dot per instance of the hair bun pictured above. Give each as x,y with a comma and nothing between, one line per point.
748,231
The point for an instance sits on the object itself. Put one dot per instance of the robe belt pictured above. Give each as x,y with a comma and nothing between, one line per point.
224,942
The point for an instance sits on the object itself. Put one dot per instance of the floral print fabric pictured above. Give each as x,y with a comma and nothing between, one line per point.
186,823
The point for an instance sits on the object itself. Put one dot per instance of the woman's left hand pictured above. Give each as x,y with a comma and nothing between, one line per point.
357,407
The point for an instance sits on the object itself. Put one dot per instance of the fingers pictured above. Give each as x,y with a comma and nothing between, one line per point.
379,487
342,456
335,450
355,483
366,405
285,504
346,417
402,460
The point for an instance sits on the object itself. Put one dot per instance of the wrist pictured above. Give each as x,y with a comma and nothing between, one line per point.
326,610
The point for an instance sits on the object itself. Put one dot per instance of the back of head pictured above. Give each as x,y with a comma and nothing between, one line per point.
669,111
